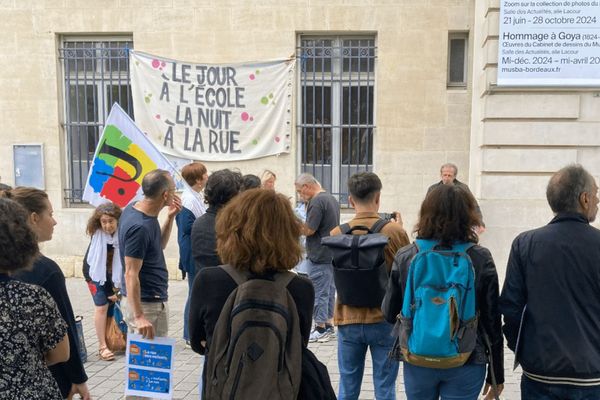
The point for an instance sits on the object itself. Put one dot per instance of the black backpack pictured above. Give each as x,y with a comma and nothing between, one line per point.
256,349
359,268
316,384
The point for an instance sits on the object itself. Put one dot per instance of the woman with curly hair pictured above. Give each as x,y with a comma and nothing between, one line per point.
32,333
257,235
69,375
102,268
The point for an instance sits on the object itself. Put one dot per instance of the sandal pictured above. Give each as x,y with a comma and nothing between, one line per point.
105,354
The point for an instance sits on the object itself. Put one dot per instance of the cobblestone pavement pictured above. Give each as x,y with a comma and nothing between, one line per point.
106,379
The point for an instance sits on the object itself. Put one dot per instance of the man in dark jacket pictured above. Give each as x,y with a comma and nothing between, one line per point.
551,295
221,187
448,173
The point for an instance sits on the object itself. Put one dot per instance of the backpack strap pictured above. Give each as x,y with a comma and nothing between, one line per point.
488,345
430,244
463,247
378,226
282,279
425,244
238,276
345,229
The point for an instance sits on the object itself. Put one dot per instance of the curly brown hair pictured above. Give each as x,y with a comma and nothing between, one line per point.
18,242
93,223
257,231
448,214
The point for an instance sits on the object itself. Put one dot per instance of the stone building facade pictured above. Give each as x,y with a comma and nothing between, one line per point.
426,96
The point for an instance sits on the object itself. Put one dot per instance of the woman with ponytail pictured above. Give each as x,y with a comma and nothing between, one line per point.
69,375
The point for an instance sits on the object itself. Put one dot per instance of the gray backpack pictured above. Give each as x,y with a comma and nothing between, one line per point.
256,348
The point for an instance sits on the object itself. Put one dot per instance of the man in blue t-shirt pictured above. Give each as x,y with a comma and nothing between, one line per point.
141,244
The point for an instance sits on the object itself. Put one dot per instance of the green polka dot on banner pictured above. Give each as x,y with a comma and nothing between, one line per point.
264,100
255,142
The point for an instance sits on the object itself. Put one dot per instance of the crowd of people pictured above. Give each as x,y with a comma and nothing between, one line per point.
253,278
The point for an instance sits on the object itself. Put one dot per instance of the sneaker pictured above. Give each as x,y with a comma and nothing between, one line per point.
316,336
188,345
331,330
330,334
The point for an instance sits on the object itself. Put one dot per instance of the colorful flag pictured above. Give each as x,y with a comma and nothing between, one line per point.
123,157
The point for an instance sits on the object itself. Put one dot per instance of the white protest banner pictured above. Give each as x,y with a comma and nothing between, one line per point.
549,43
213,112
123,157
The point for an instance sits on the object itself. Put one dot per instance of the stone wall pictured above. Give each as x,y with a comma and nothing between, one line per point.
421,124
519,137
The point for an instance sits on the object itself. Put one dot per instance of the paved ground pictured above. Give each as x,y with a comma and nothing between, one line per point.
106,379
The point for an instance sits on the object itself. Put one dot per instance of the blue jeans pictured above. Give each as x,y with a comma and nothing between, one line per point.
353,341
321,276
190,278
531,389
302,267
461,383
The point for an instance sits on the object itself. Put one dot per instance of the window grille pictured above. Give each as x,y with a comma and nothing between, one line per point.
336,121
96,75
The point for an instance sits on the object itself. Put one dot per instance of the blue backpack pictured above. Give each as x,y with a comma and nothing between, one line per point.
438,321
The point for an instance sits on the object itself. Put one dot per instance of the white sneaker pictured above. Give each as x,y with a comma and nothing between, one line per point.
316,336
332,333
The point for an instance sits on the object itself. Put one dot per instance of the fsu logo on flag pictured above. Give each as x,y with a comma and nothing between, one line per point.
123,157
119,167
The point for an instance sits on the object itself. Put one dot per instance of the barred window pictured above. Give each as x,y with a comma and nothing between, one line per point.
337,79
96,75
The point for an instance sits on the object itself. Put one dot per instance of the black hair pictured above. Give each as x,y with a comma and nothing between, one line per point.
221,186
363,186
155,183
250,181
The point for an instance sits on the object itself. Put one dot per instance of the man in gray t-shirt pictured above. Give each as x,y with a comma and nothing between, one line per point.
322,215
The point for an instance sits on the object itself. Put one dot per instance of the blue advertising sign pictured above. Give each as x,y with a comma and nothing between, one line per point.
149,367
